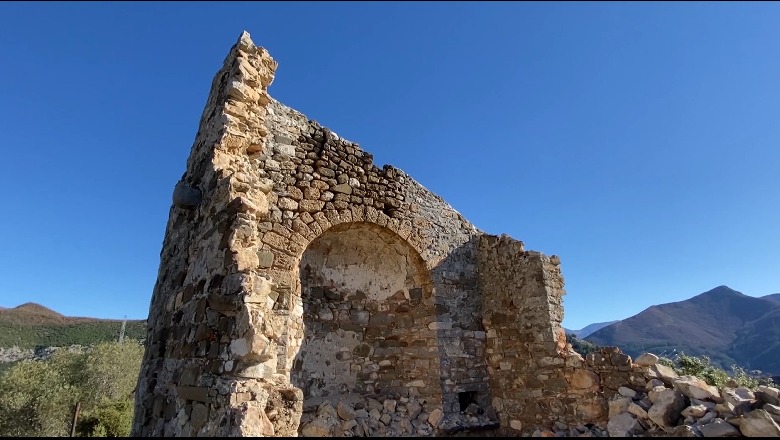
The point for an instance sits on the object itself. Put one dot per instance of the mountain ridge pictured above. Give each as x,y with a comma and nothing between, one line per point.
722,323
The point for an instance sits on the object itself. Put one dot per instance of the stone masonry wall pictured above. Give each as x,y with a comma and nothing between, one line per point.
297,278
535,378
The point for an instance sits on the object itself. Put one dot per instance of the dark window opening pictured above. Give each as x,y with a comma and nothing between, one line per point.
466,398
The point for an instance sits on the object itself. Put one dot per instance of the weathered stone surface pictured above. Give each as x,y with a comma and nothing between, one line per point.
319,427
619,405
637,410
623,425
759,423
345,411
695,388
663,373
646,360
694,411
584,379
719,428
683,431
186,196
666,408
627,392
436,417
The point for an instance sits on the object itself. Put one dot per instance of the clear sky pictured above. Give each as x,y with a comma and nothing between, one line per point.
637,141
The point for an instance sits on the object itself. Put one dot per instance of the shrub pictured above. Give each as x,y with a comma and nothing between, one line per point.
701,367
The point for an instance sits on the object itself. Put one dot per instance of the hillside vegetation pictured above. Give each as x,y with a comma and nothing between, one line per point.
31,325
38,397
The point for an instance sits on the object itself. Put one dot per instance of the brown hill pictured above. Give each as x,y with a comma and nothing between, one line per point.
33,325
32,314
726,325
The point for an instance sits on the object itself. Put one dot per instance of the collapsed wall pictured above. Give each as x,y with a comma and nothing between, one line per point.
297,276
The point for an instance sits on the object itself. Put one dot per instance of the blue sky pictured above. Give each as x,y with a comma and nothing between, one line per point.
637,141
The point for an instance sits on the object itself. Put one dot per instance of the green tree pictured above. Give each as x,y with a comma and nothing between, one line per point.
581,346
37,398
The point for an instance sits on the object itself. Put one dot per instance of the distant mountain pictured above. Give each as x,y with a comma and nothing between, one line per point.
726,325
773,297
590,328
32,325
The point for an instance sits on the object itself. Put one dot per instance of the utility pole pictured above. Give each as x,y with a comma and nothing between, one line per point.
122,332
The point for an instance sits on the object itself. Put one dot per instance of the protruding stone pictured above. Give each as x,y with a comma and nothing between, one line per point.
759,423
345,411
618,405
666,408
718,428
627,392
646,360
695,388
319,427
185,196
694,411
584,379
623,425
436,417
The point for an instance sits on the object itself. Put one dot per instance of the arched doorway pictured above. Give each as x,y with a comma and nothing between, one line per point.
367,307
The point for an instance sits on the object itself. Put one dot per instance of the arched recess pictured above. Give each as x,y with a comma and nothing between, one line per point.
367,306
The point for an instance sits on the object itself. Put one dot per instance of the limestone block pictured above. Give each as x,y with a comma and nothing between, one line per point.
435,418
694,411
345,411
618,405
646,360
637,410
623,425
718,428
627,392
759,423
666,408
696,388
319,427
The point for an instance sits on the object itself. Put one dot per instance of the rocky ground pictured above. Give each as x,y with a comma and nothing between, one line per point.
683,406
391,417
667,406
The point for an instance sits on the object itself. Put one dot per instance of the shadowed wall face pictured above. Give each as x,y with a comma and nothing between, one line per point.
366,295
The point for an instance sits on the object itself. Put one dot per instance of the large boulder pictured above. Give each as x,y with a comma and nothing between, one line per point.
666,408
663,373
646,360
623,425
695,388
759,423
719,428
319,427
618,405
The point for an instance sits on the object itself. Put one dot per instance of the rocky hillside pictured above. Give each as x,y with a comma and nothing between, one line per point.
32,325
686,406
723,324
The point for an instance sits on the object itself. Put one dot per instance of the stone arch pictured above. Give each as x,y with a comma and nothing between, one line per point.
367,304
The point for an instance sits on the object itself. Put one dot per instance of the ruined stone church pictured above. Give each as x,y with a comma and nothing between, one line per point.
304,290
